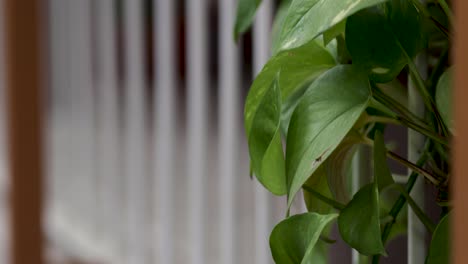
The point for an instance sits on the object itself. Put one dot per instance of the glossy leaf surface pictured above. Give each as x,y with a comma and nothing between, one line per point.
307,19
297,66
359,222
378,38
292,241
327,111
265,148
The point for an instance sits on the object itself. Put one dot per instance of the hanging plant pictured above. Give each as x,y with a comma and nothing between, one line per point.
332,84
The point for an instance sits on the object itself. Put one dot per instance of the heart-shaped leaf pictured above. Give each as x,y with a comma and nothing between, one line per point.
327,111
245,15
378,38
265,147
359,222
261,119
306,19
439,250
292,241
444,97
382,174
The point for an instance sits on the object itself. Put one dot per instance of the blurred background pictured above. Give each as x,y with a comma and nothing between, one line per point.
144,148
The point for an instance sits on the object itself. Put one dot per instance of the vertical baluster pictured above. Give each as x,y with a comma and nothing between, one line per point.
263,202
416,230
61,137
228,129
82,103
109,171
135,136
165,118
197,85
361,175
58,83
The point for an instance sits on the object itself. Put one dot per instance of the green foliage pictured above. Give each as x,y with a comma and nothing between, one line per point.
359,222
245,15
317,183
266,151
439,250
293,240
327,111
334,82
382,174
444,97
306,19
263,108
378,38
338,164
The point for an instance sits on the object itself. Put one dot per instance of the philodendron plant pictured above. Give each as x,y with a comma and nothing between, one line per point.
336,78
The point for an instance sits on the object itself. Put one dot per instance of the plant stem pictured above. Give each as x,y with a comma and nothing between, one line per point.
414,167
423,11
418,81
410,124
424,131
446,9
417,210
396,106
335,204
437,71
386,219
383,120
400,202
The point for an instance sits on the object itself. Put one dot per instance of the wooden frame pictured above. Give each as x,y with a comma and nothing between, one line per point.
460,145
24,129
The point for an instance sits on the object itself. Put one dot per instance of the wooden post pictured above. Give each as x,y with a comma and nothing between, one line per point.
24,129
460,144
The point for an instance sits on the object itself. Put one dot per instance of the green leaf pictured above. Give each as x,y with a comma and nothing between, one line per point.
439,250
318,182
292,240
298,66
378,38
359,222
278,23
338,166
407,24
245,15
382,174
265,147
320,253
290,104
327,111
443,97
306,19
